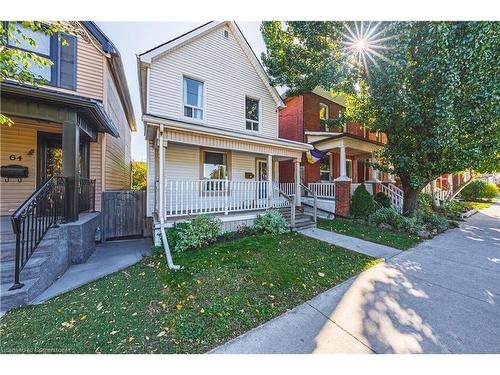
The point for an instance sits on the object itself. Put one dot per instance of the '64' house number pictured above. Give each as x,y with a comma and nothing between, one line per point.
15,157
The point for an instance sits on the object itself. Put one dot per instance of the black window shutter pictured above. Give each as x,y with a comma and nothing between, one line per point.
67,62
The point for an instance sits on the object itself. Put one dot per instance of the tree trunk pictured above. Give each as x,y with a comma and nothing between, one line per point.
410,200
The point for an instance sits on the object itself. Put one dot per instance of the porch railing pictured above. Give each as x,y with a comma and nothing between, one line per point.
395,195
323,189
190,197
86,195
42,210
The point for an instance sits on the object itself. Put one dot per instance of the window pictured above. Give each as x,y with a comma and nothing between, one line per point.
325,168
323,111
252,114
344,125
378,136
62,73
193,98
214,165
348,167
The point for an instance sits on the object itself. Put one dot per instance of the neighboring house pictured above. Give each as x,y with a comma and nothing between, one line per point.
211,125
346,147
70,142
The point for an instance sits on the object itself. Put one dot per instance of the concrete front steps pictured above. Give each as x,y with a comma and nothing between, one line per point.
302,220
38,274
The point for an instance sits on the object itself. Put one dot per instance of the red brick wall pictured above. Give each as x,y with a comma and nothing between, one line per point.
311,110
291,120
286,169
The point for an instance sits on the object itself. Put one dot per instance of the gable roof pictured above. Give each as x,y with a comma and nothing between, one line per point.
148,56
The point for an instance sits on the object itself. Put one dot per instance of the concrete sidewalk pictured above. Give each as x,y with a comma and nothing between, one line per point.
108,258
351,243
442,296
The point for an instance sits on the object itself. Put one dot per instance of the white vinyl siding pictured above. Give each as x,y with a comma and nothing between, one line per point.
228,77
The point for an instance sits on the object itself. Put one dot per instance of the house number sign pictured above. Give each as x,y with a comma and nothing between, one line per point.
15,157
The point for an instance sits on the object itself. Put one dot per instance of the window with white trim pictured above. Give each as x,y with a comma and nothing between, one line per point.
214,165
323,111
325,169
348,167
252,113
344,125
193,98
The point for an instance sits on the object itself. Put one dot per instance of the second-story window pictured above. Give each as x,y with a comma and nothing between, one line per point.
62,72
323,111
344,125
193,98
252,114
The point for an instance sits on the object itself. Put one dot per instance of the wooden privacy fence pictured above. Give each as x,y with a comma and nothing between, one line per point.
123,213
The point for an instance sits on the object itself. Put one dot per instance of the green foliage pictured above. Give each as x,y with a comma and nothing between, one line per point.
139,178
453,210
433,221
393,218
480,189
425,202
15,63
271,222
362,231
382,200
362,203
200,231
439,117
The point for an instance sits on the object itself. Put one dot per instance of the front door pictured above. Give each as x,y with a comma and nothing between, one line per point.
262,176
49,156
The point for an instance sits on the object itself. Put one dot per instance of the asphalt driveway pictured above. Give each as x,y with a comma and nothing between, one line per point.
442,296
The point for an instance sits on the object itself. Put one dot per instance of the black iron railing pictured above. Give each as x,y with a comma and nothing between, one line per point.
42,210
86,195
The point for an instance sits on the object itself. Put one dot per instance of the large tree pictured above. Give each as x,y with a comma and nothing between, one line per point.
432,87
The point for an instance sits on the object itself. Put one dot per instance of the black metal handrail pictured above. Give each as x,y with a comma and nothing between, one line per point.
86,195
42,210
315,201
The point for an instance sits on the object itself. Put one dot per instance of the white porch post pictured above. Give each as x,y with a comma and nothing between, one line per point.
269,181
343,163
297,182
374,177
161,182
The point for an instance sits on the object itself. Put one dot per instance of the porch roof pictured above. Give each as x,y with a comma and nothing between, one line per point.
195,134
55,100
350,141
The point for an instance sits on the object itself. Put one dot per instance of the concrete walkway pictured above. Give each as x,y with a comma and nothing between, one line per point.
108,258
442,296
351,243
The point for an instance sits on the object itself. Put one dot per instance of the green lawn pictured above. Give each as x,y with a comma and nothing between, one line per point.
477,205
223,291
366,232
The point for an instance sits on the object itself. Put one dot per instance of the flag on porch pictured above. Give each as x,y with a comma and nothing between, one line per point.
314,155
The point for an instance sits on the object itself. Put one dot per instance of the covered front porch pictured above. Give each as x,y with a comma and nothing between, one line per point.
212,173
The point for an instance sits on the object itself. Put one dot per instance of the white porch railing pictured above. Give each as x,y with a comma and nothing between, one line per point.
323,189
288,188
193,197
395,195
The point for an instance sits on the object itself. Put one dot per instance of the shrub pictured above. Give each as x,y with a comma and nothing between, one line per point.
382,200
271,222
362,203
425,202
387,216
433,221
453,210
479,189
199,232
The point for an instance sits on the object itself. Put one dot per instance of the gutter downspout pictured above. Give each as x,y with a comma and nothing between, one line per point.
166,247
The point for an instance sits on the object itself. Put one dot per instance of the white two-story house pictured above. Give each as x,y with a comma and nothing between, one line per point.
211,125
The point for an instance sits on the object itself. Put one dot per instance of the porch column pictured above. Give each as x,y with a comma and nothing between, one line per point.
161,175
270,191
70,167
342,188
296,163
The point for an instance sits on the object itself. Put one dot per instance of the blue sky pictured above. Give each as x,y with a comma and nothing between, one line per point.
132,38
